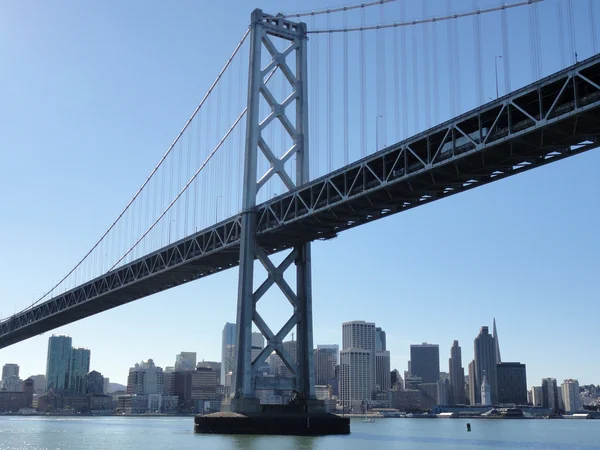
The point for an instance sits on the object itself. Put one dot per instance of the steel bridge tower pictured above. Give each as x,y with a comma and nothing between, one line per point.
246,380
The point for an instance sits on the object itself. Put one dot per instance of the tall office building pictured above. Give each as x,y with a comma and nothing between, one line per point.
570,395
325,359
356,378
537,398
227,353
485,360
57,363
145,378
425,362
10,370
78,368
383,376
456,392
380,340
258,343
185,361
512,383
549,394
472,384
359,334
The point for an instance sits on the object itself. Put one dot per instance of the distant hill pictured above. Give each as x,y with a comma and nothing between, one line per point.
112,387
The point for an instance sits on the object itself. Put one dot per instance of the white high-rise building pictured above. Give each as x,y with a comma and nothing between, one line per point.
356,378
536,396
227,353
570,395
361,334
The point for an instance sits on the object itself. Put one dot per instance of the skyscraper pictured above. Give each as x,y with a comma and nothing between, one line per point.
185,361
425,362
380,340
9,370
227,352
383,380
512,383
359,334
325,360
549,394
570,395
457,376
57,362
356,378
495,331
258,343
472,384
485,360
78,368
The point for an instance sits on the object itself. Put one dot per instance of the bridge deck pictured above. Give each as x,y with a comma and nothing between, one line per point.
554,118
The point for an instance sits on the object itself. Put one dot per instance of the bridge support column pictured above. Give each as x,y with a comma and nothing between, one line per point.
268,35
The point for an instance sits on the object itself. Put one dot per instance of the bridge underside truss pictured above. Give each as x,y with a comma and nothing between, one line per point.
550,120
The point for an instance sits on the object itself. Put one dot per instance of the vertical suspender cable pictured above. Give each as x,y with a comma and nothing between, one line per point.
592,17
346,143
396,135
561,35
329,96
363,92
571,32
478,55
505,51
426,75
415,64
436,73
382,80
403,69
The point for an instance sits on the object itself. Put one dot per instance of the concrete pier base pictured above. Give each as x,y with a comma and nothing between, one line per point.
295,420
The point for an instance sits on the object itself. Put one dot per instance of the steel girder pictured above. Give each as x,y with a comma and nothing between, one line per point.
554,118
544,122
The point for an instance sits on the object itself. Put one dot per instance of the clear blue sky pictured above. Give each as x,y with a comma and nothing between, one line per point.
92,93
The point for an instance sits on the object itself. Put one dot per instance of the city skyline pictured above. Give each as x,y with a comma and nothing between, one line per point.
145,105
466,355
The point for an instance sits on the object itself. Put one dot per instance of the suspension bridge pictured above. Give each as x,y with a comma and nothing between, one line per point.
237,184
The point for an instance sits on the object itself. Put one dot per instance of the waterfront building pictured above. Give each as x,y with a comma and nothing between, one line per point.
145,378
457,376
106,385
94,383
497,342
58,361
78,368
325,359
227,353
425,362
570,395
185,361
549,394
356,378
537,396
472,384
14,401
512,383
359,334
9,370
383,380
485,360
486,393
39,383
